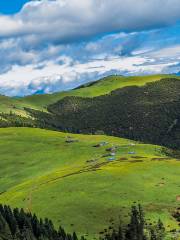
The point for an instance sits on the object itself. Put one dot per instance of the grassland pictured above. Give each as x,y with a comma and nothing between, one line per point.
102,87
75,186
8,104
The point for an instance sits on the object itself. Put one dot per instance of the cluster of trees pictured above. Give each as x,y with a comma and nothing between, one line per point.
13,120
18,225
137,229
38,120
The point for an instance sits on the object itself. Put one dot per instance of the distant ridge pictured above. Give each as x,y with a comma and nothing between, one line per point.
92,89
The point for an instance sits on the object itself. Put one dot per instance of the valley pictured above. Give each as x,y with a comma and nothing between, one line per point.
85,156
79,185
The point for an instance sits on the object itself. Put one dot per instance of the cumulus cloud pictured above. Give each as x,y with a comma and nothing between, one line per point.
54,45
61,67
62,21
52,77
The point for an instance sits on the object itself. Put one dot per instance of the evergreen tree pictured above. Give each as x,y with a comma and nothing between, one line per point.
74,237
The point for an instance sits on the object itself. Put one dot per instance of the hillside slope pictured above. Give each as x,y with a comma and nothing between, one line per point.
65,177
8,105
140,108
101,87
93,89
150,113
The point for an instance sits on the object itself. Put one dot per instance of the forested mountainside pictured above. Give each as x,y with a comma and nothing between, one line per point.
150,113
17,105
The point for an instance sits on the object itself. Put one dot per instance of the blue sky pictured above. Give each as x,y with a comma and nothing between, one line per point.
53,45
11,6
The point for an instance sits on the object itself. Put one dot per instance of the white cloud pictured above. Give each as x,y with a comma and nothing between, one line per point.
168,52
40,51
29,79
69,20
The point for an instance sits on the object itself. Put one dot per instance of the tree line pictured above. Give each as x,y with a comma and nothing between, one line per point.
137,228
16,224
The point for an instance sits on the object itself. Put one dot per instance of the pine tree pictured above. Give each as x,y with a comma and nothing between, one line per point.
141,223
35,226
160,230
5,233
132,231
10,219
62,233
74,236
120,233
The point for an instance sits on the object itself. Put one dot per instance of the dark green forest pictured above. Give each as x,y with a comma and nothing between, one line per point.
16,224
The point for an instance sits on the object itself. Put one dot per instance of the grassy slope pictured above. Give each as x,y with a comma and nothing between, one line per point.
14,105
101,87
41,172
7,104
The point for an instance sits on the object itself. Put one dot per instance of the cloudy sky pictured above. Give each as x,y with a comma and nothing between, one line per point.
52,45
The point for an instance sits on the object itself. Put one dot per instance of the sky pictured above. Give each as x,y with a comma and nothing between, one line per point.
11,6
54,45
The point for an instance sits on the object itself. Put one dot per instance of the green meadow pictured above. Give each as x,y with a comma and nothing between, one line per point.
66,178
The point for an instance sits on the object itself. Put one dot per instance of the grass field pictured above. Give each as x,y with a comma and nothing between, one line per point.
75,186
104,86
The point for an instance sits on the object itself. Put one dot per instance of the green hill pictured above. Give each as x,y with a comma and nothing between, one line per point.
140,108
101,87
72,178
74,181
148,113
8,104
36,110
97,88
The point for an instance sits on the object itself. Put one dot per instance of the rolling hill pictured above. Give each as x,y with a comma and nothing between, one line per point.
76,182
149,113
93,89
83,181
139,108
97,88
